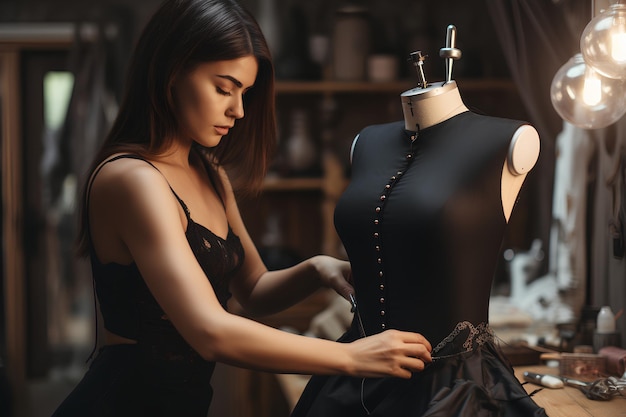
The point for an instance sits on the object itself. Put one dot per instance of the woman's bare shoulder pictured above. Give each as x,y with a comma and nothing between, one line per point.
130,172
125,181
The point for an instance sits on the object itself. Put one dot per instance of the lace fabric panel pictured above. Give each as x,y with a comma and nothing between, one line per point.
464,338
219,259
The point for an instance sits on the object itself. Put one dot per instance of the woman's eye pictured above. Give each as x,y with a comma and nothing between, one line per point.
222,92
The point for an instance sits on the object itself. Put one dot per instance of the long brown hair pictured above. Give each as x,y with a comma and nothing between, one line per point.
180,35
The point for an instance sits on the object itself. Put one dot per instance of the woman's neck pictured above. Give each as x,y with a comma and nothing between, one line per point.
179,154
425,107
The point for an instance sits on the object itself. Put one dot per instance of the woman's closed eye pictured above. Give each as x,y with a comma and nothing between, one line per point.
222,92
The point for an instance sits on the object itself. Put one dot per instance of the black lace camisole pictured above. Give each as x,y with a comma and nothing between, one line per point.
129,309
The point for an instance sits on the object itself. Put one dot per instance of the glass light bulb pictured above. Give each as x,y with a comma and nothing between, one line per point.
603,42
592,88
585,98
618,46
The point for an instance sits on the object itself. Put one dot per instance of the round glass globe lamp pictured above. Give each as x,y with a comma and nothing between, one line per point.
603,42
584,98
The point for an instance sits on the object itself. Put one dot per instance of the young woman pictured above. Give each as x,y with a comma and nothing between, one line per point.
166,240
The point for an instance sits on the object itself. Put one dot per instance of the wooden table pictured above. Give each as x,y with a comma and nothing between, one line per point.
569,401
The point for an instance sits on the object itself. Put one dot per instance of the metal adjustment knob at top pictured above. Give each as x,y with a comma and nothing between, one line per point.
450,52
418,61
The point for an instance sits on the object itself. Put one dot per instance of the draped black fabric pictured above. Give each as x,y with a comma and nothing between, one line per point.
476,381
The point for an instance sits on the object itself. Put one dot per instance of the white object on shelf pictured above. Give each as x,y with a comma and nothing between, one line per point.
606,321
301,150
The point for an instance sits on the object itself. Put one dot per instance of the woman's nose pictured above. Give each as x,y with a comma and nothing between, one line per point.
236,108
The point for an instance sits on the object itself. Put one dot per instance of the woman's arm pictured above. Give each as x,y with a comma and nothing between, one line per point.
142,212
261,292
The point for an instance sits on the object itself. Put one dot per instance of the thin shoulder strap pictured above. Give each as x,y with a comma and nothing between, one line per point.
130,156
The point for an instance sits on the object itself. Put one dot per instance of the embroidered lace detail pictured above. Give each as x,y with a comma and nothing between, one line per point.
476,336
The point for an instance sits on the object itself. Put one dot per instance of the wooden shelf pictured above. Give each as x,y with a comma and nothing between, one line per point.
292,184
330,87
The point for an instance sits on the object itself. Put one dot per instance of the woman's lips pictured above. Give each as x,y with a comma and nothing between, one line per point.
222,130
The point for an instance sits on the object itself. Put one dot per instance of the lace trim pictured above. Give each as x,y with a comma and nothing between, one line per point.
476,337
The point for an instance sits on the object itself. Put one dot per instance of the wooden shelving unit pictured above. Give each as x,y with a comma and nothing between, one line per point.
338,110
392,87
292,184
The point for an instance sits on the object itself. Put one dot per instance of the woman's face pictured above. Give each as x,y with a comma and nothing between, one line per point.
209,98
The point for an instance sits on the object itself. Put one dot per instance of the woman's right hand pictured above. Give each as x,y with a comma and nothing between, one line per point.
390,353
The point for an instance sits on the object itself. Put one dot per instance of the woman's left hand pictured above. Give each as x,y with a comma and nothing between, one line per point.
334,273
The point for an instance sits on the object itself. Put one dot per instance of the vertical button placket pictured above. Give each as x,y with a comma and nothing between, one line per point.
377,236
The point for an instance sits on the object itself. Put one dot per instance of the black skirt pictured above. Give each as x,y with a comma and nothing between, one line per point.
121,383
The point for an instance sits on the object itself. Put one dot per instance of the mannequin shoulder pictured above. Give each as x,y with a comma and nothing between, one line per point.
352,146
523,150
377,133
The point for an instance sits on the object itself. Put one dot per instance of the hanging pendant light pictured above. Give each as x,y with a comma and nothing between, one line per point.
589,90
603,42
584,97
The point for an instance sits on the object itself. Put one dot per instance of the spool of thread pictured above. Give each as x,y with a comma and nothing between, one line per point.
548,381
615,359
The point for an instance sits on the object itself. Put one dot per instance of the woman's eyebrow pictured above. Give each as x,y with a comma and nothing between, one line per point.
232,79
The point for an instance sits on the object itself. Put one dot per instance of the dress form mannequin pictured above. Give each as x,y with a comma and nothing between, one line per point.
422,222
425,107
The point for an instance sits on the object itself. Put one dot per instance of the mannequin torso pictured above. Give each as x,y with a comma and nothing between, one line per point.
425,107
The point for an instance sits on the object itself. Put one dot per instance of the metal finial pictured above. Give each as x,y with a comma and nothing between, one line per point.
418,61
450,53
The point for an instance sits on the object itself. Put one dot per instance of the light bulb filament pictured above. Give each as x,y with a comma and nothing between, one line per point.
618,46
592,89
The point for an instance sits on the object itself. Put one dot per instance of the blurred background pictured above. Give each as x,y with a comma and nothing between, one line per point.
340,66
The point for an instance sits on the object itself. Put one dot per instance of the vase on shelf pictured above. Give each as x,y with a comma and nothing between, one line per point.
300,148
